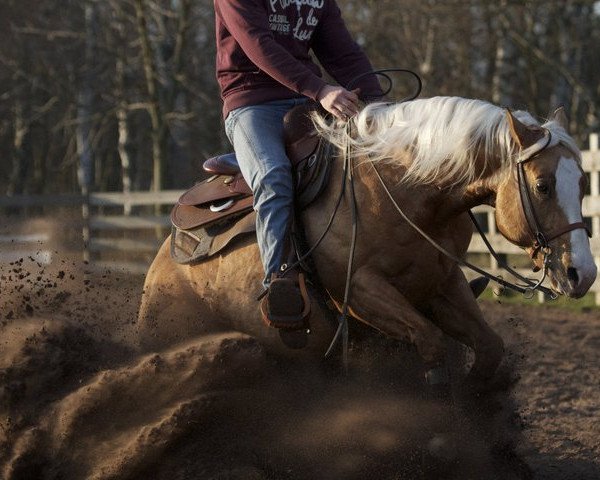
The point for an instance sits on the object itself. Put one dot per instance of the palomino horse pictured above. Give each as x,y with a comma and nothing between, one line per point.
436,159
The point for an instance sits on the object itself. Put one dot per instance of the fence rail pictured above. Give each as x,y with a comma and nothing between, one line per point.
105,234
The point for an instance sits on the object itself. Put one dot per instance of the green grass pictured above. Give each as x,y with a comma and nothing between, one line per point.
584,304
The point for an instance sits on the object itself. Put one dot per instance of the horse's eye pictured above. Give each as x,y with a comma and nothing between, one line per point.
542,187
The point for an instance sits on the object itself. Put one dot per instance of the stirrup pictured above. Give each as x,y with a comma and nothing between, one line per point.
286,304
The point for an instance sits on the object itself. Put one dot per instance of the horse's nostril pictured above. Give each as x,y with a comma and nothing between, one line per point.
572,275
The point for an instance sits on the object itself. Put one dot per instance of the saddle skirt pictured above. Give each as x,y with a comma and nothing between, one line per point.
210,215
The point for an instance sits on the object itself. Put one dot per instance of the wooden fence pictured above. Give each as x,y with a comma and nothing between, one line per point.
114,240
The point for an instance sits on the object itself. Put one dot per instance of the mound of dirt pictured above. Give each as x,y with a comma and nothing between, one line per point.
77,404
79,400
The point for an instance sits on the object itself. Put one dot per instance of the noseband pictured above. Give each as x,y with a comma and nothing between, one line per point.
541,239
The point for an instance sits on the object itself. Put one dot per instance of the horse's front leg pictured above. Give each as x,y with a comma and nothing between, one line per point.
454,309
379,303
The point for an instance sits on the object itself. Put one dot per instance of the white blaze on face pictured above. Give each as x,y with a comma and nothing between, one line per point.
568,191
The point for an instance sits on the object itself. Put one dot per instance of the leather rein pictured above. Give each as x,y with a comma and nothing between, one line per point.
347,186
541,242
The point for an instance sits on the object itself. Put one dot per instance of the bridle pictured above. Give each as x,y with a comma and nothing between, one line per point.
542,240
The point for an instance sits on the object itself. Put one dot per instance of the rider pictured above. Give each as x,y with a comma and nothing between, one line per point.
264,68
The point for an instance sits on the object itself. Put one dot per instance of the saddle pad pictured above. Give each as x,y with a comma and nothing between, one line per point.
190,216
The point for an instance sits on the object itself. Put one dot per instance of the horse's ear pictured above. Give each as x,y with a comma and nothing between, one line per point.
559,116
521,134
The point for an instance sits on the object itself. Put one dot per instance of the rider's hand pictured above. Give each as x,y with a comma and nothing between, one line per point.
340,102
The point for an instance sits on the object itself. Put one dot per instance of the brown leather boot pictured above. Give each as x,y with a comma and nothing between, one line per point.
286,304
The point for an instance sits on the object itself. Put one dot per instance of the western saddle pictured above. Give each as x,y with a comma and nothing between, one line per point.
217,210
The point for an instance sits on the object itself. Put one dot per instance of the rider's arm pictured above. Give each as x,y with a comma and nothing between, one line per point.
341,56
247,21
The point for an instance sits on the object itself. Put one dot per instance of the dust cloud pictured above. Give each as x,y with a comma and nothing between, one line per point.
80,400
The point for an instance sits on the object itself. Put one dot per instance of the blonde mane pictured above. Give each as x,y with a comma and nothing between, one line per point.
443,136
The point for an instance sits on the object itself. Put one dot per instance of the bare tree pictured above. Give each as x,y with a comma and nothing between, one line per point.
127,90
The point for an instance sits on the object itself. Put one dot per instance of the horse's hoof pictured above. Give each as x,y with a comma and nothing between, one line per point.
478,285
295,339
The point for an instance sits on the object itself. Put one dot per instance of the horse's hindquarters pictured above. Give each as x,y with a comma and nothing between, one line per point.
181,302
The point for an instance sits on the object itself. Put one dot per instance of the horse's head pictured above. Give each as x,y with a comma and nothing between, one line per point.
538,205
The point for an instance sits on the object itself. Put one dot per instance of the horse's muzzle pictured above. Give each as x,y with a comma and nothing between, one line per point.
574,282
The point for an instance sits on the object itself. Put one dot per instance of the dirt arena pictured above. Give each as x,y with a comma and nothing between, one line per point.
79,400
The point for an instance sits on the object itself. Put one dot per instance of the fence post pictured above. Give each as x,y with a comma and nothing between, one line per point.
595,183
595,192
492,231
85,217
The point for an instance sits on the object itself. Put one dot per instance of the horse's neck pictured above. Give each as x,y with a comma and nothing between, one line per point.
438,202
489,173
383,190
479,192
449,200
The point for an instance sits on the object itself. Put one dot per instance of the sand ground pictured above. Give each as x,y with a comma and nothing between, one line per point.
77,400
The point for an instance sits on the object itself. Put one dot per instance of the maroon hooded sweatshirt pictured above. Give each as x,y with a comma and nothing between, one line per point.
263,51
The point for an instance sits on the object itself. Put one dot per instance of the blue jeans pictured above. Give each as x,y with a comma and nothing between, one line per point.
256,133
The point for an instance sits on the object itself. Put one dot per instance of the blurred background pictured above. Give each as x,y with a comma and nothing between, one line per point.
121,94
